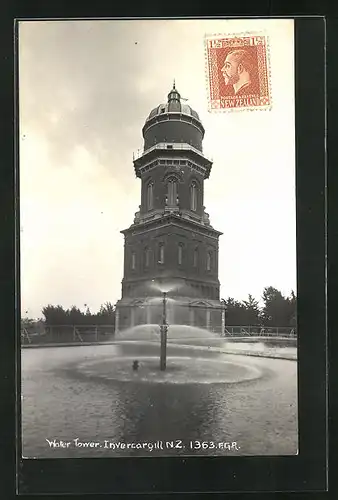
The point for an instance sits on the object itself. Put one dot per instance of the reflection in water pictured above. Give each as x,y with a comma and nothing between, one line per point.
168,414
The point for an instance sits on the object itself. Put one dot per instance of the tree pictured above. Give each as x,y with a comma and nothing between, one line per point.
251,311
75,316
55,315
277,310
106,315
292,309
235,314
107,309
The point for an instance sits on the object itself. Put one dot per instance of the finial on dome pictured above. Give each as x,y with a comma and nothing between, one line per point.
174,95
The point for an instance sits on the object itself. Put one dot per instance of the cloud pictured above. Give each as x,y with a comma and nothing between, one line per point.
81,81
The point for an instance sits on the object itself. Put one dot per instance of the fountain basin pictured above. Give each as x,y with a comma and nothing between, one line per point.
61,401
180,370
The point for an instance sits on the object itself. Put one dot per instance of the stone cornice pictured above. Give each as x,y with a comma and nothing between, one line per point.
172,220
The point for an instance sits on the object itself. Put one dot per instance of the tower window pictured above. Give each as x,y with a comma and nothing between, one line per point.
193,196
161,253
195,257
180,253
150,195
172,191
133,260
147,257
209,260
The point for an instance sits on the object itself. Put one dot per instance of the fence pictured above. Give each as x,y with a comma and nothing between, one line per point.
78,334
260,331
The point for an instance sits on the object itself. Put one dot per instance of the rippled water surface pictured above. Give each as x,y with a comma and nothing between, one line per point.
90,393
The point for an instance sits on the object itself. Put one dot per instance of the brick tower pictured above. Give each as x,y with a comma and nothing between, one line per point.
171,242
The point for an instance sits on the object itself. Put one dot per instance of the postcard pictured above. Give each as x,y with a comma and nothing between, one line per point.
158,238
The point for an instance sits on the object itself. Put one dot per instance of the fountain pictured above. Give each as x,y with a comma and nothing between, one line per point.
165,352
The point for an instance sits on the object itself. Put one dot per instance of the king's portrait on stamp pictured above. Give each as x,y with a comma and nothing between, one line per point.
238,72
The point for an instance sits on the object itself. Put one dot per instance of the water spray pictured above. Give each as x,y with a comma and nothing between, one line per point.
164,332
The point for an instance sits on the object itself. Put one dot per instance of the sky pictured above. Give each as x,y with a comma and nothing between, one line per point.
86,88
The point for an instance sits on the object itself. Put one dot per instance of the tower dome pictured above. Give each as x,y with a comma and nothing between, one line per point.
173,104
173,122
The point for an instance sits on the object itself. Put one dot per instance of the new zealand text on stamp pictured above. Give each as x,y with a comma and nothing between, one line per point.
238,72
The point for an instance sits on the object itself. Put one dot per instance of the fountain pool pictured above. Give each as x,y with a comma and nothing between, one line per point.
92,393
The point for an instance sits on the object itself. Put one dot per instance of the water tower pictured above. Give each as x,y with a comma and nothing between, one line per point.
171,241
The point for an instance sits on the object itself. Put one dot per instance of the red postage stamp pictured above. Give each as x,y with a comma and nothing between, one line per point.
238,72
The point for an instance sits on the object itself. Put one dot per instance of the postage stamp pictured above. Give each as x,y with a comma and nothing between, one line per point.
238,72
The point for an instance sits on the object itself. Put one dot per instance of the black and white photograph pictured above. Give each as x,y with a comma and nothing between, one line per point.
158,267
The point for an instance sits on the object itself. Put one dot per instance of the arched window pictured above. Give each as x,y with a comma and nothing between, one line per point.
180,253
172,197
161,253
147,257
150,195
193,196
209,260
195,257
133,260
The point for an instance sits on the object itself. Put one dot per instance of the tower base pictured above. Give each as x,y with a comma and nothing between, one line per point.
189,311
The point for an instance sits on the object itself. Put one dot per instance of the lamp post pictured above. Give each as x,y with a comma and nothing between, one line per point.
164,331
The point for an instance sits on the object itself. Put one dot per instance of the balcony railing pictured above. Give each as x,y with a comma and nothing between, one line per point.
172,147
